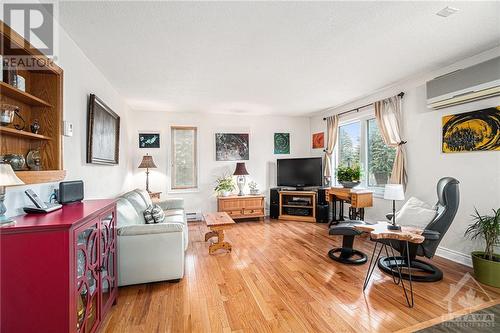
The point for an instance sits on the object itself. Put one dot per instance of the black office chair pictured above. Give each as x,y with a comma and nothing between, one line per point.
447,206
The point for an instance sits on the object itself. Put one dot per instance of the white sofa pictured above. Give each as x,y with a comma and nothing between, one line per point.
150,252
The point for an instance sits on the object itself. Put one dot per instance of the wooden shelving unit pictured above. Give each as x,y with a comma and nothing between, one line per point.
285,207
42,101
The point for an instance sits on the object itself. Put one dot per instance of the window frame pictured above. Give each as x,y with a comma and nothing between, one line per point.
184,189
363,118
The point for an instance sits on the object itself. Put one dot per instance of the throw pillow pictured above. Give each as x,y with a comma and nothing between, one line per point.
148,215
158,214
415,213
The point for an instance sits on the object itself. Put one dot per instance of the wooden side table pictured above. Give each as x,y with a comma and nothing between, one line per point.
155,196
217,222
242,207
381,235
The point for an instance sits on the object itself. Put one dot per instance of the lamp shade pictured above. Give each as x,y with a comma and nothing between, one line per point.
147,162
241,169
394,192
8,176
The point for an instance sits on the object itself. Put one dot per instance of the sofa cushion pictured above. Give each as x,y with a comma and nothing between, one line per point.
137,202
148,229
175,219
127,215
145,196
171,212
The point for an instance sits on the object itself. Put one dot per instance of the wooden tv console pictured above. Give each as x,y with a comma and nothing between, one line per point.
286,206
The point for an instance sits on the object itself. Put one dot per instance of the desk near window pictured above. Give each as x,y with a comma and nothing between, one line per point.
359,200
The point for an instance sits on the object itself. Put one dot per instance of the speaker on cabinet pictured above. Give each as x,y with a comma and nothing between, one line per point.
322,213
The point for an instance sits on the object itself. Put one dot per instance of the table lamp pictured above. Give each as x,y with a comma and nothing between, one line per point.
7,178
394,192
147,163
241,172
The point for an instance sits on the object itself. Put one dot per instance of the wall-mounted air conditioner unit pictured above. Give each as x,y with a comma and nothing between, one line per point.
465,85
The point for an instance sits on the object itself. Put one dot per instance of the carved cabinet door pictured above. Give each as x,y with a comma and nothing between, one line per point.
109,285
87,276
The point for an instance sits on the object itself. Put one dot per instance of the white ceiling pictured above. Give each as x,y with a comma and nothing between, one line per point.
270,57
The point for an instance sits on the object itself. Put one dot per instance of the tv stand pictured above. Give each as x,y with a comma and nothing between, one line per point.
297,205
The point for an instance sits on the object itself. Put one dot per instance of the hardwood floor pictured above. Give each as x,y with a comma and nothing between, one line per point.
279,278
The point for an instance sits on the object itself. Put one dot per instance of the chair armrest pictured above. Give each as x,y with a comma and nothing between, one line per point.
148,229
171,203
431,235
389,216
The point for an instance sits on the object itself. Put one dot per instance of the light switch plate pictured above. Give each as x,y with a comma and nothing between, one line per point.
67,128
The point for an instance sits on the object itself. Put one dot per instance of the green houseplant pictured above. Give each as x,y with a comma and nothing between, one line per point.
486,263
349,176
224,185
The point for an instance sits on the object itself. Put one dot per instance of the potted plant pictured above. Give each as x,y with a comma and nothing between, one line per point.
349,176
224,185
486,263
253,188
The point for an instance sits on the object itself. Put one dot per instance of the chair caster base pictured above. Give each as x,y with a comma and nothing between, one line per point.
347,256
421,271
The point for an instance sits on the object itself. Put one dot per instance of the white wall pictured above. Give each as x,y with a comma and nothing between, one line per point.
81,78
261,165
478,172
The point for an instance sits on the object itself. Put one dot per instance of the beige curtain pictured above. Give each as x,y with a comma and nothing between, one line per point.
332,125
390,122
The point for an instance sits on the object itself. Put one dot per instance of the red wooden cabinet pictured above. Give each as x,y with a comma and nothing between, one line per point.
58,271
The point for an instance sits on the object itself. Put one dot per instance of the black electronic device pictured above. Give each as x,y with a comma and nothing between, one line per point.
39,205
296,211
70,192
300,172
322,213
274,195
274,211
321,198
274,203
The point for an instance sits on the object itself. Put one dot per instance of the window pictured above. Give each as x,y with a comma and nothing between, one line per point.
184,158
360,143
380,156
349,144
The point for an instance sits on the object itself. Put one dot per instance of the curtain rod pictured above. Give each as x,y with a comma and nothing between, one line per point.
401,94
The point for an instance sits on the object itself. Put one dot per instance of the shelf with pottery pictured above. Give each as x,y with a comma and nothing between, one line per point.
31,106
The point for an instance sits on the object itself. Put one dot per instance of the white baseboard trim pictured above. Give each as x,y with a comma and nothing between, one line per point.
461,258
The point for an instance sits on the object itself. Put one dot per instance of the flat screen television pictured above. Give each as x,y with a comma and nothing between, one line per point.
300,172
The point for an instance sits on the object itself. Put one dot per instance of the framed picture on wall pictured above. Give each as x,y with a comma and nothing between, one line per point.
149,140
318,140
103,133
232,147
282,143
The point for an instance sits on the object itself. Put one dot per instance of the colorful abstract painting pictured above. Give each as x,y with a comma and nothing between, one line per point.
318,140
472,131
231,147
282,143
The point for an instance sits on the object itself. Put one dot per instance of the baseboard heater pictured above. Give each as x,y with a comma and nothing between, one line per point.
193,216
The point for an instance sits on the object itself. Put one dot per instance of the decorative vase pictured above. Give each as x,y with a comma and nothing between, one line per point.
254,192
224,193
347,184
16,161
486,271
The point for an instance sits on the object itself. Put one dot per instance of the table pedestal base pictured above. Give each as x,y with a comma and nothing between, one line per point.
220,244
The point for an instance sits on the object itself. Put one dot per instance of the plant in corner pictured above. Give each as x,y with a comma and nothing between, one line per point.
224,185
349,176
486,263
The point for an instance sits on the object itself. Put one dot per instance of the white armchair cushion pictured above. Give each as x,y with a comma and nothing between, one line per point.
148,229
415,213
